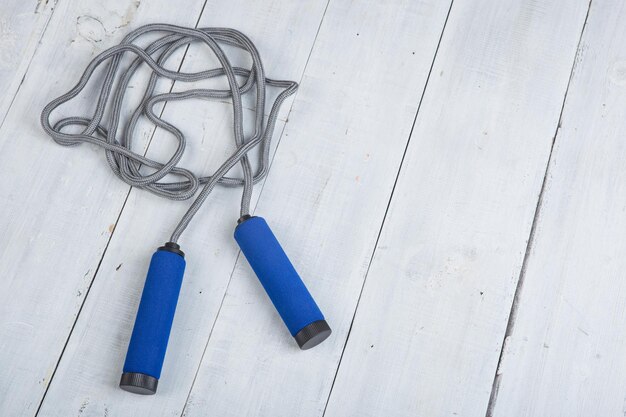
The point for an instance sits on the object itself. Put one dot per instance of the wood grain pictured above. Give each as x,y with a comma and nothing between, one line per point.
408,185
59,205
565,356
325,199
100,339
22,24
433,312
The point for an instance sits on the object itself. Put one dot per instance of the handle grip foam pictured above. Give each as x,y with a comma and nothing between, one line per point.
148,343
282,283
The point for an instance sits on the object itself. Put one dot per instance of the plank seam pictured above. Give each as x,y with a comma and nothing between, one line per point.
531,237
217,315
30,61
80,309
382,225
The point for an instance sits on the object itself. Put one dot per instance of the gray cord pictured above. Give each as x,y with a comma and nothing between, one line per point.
124,162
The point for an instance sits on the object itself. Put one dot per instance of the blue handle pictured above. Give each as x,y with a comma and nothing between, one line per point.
282,283
148,343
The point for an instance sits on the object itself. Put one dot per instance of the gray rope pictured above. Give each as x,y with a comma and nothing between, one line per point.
125,163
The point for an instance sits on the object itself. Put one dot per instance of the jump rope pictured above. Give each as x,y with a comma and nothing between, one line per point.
148,342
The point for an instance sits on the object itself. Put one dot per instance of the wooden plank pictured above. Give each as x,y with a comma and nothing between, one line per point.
325,198
22,24
59,205
88,374
426,337
566,355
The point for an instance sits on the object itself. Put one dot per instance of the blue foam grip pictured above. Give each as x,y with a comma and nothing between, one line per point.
277,275
146,350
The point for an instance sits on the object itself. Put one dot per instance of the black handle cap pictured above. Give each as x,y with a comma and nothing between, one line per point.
313,334
139,383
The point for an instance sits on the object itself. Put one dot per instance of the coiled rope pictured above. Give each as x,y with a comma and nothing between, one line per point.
117,145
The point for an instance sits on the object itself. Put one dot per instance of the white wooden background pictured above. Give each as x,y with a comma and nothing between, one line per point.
450,181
